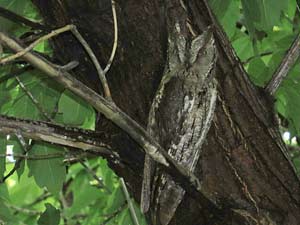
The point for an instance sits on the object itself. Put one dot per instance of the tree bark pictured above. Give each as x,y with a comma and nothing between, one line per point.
243,165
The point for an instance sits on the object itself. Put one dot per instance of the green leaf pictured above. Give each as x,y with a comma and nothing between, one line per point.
18,188
51,216
17,149
230,18
2,152
243,47
114,201
262,14
6,215
84,194
219,7
251,14
288,103
5,212
292,7
258,72
49,173
21,7
72,110
44,91
4,195
124,217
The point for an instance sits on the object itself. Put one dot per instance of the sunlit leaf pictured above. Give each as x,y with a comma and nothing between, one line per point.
262,14
84,194
258,72
49,172
72,110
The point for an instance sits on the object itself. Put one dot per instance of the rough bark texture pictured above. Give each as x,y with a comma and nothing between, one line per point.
242,166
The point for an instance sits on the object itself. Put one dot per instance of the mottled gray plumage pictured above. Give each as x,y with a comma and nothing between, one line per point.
180,117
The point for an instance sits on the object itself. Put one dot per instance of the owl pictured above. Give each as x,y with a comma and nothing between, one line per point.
180,117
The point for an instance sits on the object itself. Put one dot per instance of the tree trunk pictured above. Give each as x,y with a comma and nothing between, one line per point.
243,165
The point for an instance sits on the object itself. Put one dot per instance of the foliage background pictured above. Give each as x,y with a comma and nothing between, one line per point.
40,191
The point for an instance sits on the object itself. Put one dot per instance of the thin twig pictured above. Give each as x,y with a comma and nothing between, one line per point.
18,162
95,61
33,44
39,199
16,73
257,56
131,208
20,19
24,210
94,175
115,45
113,215
33,99
285,66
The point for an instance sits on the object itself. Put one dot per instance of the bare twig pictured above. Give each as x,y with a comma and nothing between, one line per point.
35,43
39,199
95,61
284,67
33,99
115,45
20,159
113,215
16,73
257,56
20,19
131,208
94,175
24,210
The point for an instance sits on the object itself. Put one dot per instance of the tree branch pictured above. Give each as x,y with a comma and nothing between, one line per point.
16,73
188,180
285,66
129,202
71,137
115,45
25,149
33,99
35,43
20,19
103,106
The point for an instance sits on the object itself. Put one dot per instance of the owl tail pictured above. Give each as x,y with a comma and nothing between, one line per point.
169,199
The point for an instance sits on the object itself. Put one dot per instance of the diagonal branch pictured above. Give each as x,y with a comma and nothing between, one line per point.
15,73
180,174
103,106
285,66
35,43
20,19
33,99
